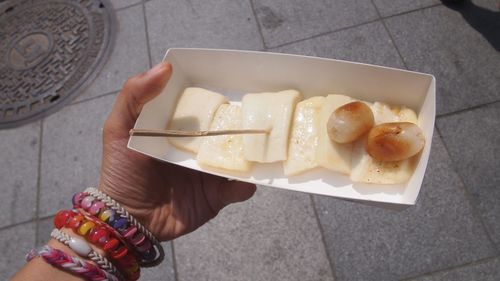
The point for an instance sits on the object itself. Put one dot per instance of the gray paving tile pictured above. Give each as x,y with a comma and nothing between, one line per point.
129,55
488,270
368,43
19,150
117,4
440,231
71,152
273,236
472,139
15,242
45,227
164,271
225,24
439,41
392,7
284,21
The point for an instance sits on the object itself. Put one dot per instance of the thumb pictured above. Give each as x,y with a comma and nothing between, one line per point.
235,191
137,91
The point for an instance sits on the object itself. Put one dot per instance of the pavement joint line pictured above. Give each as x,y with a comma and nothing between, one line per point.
126,7
475,107
5,227
147,34
411,11
390,36
474,209
174,261
321,232
323,34
38,180
435,272
259,28
93,98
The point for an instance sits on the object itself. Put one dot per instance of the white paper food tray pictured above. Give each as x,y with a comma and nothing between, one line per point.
235,73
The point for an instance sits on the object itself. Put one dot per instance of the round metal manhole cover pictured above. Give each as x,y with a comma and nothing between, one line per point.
49,51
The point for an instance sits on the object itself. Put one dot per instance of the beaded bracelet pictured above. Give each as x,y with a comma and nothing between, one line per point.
82,248
69,263
95,202
103,236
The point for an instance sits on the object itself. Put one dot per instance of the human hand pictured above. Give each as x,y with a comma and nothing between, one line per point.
169,200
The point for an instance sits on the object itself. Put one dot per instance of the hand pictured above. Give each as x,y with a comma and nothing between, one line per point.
168,199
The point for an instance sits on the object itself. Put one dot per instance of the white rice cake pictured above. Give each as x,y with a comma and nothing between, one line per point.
194,112
304,137
225,152
368,170
272,111
331,155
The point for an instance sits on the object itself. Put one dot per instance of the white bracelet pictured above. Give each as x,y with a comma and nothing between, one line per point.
111,203
83,249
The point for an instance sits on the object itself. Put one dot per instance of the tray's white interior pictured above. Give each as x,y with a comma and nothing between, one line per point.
234,73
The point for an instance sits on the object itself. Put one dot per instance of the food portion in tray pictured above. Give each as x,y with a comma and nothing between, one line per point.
370,142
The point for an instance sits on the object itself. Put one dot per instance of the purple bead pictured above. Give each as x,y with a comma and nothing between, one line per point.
138,239
120,223
143,247
96,208
87,202
77,199
149,255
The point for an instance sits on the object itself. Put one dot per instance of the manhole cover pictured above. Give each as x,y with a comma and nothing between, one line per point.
49,51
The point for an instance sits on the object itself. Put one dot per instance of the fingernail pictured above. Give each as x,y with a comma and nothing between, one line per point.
158,68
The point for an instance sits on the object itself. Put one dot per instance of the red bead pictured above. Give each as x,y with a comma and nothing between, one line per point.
99,236
62,218
111,245
119,253
75,221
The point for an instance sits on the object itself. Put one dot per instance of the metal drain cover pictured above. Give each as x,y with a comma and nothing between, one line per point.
49,51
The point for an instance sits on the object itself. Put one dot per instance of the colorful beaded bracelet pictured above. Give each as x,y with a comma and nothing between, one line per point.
69,263
101,235
108,210
82,248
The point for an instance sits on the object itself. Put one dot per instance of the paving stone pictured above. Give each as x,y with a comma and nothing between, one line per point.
45,227
71,152
472,139
165,271
393,7
117,4
440,231
439,41
488,270
129,55
273,236
284,21
15,242
368,43
225,24
19,150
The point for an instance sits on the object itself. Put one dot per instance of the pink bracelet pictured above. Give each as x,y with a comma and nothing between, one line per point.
72,264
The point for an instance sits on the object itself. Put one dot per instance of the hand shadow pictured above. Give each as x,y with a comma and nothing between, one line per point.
485,21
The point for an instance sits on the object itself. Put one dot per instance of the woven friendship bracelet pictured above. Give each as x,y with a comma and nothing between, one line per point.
82,248
101,235
112,204
71,264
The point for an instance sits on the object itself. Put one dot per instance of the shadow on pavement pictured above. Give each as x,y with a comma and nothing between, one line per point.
485,21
